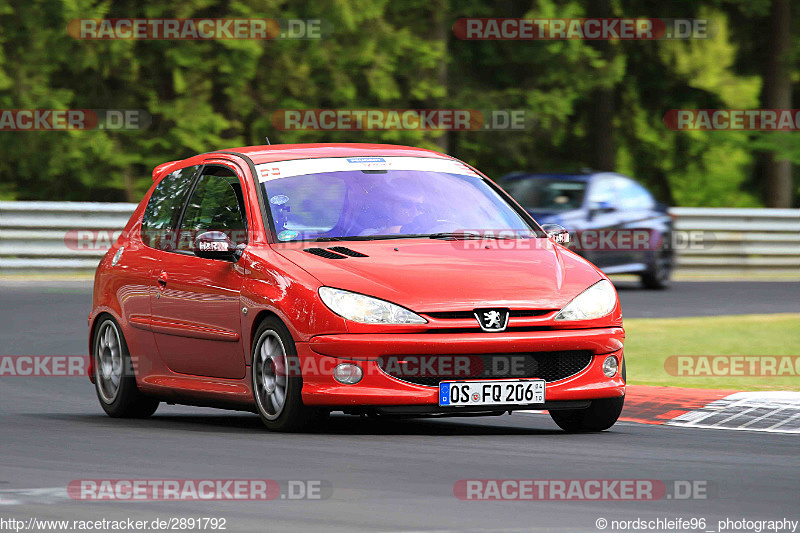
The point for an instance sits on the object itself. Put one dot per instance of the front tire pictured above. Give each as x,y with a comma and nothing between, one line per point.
114,379
599,416
276,380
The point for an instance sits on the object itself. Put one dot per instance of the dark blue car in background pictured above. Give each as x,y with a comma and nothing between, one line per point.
613,221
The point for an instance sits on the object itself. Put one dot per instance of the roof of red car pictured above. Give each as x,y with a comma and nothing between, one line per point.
285,152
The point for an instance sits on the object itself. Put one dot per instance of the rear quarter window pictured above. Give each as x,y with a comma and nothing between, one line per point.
164,207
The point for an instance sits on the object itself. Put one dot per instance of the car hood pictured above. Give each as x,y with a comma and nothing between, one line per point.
438,275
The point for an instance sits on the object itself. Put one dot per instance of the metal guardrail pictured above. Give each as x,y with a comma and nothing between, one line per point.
37,237
40,237
743,241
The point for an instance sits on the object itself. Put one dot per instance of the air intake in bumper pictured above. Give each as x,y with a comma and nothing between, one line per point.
429,370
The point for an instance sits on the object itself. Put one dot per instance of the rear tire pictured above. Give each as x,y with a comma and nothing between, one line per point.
599,416
276,387
115,381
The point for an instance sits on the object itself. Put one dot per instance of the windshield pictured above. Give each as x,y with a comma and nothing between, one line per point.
547,194
373,201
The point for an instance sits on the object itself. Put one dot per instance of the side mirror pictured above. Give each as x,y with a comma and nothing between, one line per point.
557,233
216,245
603,206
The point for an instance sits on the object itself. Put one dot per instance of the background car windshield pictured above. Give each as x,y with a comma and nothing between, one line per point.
547,194
363,203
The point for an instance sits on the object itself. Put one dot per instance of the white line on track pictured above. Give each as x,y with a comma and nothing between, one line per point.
37,495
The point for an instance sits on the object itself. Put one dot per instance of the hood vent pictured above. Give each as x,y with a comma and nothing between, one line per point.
335,252
322,252
347,251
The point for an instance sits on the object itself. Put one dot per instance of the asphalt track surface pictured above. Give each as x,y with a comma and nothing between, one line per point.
395,475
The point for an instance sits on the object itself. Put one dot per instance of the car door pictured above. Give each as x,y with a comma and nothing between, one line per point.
602,217
195,302
148,247
636,215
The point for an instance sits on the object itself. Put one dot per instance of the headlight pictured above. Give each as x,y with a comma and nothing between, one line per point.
360,308
595,302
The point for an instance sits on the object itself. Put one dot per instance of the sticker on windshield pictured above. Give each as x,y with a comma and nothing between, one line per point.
325,165
287,235
269,172
366,160
279,199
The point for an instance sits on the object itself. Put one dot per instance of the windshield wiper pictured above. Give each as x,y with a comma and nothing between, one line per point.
367,238
452,235
467,236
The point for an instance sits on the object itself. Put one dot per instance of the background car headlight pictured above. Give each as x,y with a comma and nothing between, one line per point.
595,302
361,308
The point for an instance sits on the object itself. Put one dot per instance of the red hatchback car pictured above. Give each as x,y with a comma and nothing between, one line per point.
297,280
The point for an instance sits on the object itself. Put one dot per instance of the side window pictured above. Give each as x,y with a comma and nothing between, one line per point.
216,204
634,196
164,207
603,190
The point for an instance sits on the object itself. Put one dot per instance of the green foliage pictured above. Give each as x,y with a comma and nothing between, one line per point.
206,95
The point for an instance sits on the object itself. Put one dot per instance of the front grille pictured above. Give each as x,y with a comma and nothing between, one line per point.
429,370
530,312
519,313
451,315
477,329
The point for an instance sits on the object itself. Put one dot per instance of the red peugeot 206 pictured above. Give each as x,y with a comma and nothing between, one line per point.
297,280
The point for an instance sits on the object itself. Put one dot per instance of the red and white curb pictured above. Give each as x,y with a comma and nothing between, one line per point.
772,412
768,411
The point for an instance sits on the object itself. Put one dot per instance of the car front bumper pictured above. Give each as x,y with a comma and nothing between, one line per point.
321,354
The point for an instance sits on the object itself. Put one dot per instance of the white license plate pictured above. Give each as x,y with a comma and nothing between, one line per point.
492,392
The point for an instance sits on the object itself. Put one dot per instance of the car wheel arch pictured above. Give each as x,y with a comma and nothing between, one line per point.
261,316
97,319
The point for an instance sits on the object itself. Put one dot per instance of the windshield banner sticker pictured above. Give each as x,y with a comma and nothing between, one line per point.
301,167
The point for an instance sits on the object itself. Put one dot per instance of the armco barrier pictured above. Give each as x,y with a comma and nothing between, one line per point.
33,237
745,241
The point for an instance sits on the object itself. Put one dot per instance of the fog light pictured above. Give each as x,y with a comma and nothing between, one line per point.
347,373
610,366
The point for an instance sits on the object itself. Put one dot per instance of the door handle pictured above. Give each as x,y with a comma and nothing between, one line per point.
162,279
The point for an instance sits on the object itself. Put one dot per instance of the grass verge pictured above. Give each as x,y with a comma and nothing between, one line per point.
650,341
